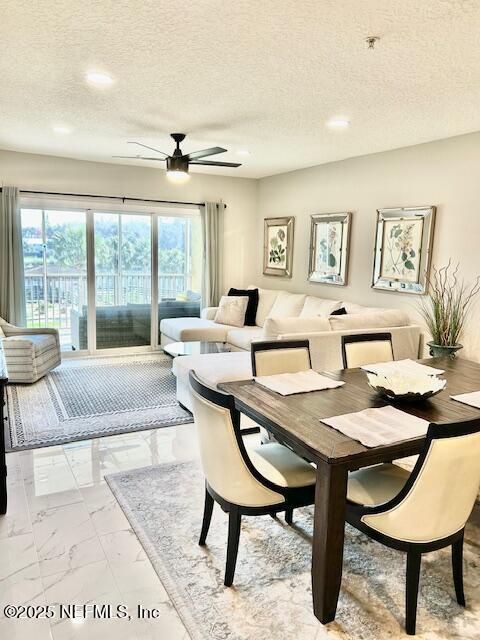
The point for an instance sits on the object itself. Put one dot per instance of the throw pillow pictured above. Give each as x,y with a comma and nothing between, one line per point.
339,312
231,310
252,305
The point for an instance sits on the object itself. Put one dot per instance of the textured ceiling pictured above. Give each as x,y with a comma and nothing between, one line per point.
263,75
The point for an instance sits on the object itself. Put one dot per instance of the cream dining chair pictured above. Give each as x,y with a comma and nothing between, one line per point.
366,348
280,356
424,510
267,479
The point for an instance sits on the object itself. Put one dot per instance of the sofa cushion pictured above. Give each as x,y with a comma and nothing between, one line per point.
353,307
213,368
242,338
319,307
252,305
275,327
266,298
191,329
380,319
287,305
231,310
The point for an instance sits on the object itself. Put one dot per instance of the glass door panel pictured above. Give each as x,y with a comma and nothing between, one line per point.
122,280
55,260
179,267
34,265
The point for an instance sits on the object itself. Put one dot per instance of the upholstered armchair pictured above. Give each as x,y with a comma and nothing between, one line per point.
29,353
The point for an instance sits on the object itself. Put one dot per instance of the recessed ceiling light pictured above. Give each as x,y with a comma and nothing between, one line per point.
338,123
99,79
61,129
243,152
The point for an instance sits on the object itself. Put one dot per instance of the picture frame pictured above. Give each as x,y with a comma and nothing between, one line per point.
403,247
329,248
278,238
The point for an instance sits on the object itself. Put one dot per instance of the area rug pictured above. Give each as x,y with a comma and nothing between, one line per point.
92,398
271,597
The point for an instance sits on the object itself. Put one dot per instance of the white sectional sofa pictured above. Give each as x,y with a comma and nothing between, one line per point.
283,315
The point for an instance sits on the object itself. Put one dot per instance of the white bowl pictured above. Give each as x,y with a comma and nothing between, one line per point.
403,387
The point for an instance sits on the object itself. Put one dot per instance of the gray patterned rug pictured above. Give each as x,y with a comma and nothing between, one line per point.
271,597
92,398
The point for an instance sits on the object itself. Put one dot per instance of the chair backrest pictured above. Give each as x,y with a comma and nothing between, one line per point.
439,496
225,463
280,356
366,348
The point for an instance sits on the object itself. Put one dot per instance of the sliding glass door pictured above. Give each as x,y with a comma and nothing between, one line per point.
123,283
95,276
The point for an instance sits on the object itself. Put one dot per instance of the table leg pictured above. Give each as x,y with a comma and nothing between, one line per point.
328,537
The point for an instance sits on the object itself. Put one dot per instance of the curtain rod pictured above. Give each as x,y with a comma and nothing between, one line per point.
122,198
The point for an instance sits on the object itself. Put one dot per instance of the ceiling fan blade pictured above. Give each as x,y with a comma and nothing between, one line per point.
151,148
141,158
203,153
212,163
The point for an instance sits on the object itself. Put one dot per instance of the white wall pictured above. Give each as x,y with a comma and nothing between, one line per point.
444,173
50,173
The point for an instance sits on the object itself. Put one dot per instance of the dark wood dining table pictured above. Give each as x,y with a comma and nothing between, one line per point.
295,420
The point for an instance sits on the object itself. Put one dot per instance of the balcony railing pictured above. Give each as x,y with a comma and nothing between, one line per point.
50,299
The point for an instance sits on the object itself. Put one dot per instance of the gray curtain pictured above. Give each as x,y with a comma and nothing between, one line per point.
212,232
12,290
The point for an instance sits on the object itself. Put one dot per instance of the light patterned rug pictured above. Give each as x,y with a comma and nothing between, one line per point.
94,397
271,598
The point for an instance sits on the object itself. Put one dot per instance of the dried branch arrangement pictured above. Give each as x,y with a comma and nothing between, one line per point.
446,307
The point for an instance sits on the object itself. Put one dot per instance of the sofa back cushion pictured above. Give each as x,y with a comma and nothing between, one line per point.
375,320
252,305
319,307
266,298
275,327
287,305
354,308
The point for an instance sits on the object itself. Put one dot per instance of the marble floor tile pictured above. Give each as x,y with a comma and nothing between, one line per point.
104,510
17,519
51,486
65,539
25,629
89,585
128,561
20,582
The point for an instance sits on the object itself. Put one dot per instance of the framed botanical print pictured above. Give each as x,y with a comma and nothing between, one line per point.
278,246
403,249
329,246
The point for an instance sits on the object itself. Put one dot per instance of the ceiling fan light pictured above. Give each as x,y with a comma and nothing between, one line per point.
174,175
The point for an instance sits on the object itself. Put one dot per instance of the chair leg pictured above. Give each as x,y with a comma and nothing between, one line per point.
234,522
457,567
413,575
207,516
289,515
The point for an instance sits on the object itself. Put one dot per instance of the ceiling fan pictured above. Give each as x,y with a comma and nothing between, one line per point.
179,162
